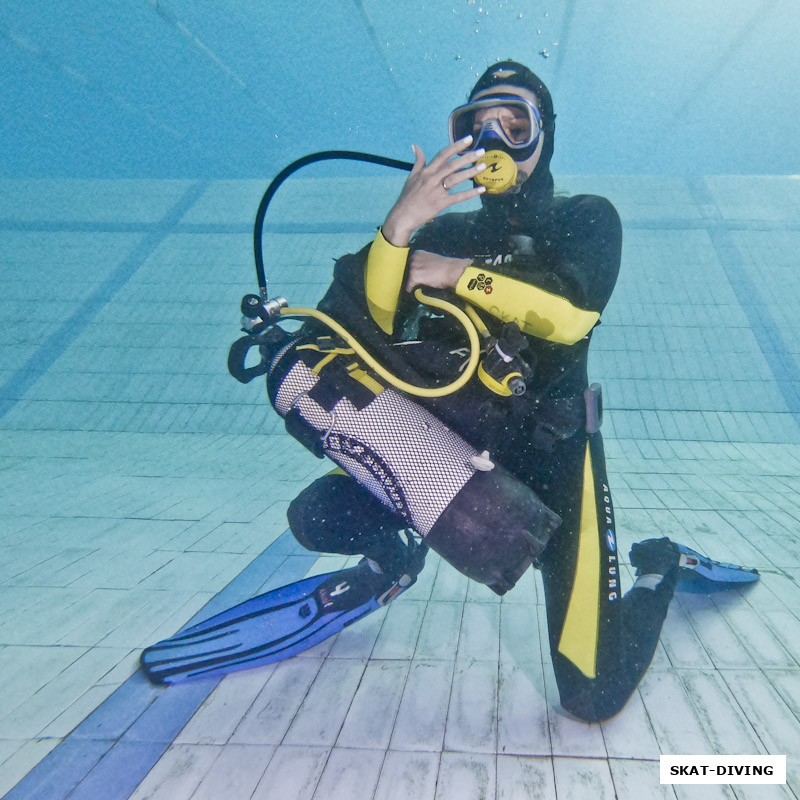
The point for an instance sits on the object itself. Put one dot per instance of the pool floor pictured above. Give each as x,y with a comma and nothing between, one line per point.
140,484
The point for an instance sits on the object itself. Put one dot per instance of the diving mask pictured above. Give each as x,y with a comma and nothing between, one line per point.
508,127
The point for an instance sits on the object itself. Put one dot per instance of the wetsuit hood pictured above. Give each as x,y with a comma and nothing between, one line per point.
537,191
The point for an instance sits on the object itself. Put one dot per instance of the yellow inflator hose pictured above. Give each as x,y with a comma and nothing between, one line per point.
398,383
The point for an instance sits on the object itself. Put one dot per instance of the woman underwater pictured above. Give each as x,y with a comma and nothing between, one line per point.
538,270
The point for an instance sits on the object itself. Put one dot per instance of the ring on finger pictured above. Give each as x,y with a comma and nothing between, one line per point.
445,186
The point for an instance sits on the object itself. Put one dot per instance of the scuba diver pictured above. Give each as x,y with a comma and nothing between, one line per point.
498,470
535,271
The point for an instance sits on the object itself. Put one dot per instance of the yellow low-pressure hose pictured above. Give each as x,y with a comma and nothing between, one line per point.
398,383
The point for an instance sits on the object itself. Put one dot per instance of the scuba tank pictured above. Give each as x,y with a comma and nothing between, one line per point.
475,514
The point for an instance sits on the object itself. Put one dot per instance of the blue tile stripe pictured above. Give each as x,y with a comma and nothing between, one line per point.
108,755
15,226
303,228
776,351
60,339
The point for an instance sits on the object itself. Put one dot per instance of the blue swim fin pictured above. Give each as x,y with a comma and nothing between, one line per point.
271,627
700,575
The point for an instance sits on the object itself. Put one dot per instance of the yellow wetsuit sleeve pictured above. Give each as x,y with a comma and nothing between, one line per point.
537,312
383,280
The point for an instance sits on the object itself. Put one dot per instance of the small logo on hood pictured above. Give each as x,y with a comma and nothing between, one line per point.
503,73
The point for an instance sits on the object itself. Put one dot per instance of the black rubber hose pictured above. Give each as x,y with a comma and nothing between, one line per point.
324,155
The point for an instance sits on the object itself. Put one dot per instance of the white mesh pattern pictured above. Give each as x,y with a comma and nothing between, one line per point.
422,461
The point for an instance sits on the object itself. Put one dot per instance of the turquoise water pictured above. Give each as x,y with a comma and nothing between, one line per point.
235,89
139,482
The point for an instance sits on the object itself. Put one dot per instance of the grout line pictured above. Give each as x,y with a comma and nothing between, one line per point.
776,351
98,758
54,345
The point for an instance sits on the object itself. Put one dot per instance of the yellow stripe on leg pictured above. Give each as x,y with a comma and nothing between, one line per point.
579,635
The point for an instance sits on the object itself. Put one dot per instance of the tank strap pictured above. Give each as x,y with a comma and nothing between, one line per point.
339,380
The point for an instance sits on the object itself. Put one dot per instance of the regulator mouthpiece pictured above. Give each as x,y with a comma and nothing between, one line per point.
500,174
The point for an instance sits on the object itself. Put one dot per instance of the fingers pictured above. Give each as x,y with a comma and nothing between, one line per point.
460,197
443,156
462,162
419,159
455,178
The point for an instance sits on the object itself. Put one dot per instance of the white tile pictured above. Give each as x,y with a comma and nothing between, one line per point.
63,723
787,682
350,773
63,689
706,791
480,593
332,690
28,669
400,630
784,588
408,775
224,709
522,725
519,634
754,791
178,773
778,728
466,776
480,632
372,713
765,648
235,773
786,627
717,710
582,777
273,710
293,773
450,585
441,627
629,734
639,780
526,589
719,641
358,640
472,715
525,778
422,715
672,715
681,643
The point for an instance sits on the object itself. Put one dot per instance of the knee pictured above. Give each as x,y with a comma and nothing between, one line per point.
313,514
301,521
594,704
592,699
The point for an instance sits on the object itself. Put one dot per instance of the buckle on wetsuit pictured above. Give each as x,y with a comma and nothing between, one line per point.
594,407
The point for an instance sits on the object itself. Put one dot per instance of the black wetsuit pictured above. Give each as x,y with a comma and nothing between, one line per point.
601,642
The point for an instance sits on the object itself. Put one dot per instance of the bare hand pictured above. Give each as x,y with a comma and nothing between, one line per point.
430,269
427,190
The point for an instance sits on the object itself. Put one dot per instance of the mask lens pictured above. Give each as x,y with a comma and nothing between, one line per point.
518,120
517,126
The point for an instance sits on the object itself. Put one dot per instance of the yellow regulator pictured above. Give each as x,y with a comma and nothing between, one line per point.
500,173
